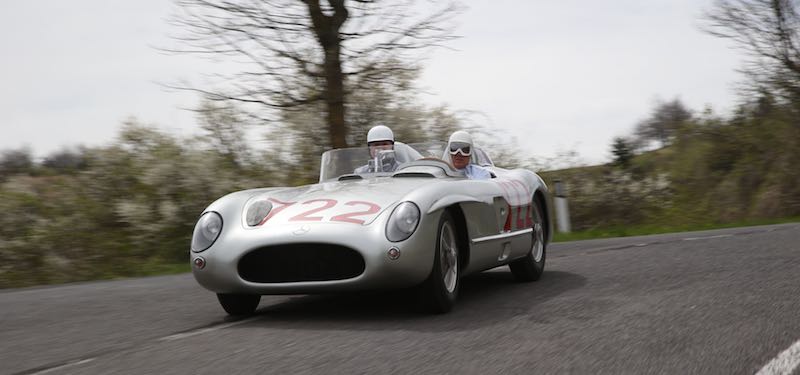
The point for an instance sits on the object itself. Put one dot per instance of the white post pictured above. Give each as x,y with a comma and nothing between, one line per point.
562,208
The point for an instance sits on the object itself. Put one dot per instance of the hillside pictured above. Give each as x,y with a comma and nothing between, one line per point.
712,173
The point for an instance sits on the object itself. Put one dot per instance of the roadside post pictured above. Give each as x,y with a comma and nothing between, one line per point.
562,208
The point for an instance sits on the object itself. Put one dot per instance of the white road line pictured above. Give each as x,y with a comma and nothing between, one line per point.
785,363
174,337
64,366
707,237
201,331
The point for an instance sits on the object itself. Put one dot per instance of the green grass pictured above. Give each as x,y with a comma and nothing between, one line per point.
641,230
151,268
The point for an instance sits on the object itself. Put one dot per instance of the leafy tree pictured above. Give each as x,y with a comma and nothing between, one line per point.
65,161
663,122
16,161
622,151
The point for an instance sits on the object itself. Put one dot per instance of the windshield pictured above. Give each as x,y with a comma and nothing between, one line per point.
433,149
357,160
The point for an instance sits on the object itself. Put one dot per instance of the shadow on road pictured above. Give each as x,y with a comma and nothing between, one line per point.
485,299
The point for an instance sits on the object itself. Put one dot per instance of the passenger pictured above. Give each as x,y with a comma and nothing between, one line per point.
460,148
379,138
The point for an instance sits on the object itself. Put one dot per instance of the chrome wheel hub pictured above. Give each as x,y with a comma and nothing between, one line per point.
538,242
448,257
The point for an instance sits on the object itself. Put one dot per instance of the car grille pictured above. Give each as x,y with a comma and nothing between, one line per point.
300,262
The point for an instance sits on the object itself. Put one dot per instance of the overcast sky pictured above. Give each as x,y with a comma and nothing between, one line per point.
561,76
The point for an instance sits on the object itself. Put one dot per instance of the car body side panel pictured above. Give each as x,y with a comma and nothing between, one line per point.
489,206
536,185
482,220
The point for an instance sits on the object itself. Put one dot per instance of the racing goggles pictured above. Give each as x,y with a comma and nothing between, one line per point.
462,147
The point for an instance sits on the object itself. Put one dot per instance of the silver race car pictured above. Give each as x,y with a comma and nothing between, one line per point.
403,220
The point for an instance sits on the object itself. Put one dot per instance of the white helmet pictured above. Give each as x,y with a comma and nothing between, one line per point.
380,133
460,142
461,136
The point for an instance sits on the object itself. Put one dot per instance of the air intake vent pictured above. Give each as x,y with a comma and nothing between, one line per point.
300,262
413,174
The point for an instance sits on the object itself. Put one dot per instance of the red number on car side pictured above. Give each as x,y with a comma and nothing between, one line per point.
348,217
529,217
520,219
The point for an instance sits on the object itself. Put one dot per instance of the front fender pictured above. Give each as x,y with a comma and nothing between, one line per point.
450,200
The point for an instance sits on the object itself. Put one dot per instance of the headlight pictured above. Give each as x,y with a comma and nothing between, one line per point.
206,231
257,212
402,222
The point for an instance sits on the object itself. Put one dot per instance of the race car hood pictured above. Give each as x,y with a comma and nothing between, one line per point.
352,201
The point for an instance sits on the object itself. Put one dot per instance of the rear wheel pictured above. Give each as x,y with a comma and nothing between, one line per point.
239,304
531,267
440,290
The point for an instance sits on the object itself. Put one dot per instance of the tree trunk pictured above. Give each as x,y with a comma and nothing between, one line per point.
334,97
326,29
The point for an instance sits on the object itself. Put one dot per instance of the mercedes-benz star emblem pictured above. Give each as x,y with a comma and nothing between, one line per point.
302,230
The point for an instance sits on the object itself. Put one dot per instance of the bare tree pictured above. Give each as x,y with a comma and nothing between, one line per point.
769,31
225,132
301,52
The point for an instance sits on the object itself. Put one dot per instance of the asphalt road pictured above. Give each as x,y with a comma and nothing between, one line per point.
716,302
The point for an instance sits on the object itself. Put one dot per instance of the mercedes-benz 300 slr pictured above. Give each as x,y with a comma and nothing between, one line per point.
407,221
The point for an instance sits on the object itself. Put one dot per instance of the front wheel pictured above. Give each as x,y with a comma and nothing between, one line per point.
440,290
531,267
239,304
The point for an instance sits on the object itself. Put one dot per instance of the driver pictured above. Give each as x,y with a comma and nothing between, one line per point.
461,148
379,138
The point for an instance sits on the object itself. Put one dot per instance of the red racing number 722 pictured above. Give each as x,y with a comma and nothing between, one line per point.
368,208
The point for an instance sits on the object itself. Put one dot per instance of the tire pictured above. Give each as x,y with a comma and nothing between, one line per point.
531,267
440,290
239,304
